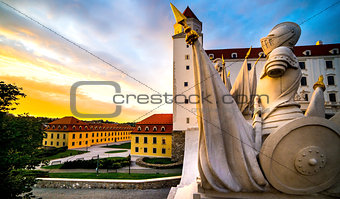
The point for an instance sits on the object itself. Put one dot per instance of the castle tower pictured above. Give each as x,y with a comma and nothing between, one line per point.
183,75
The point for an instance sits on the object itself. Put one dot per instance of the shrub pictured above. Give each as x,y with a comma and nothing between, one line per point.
107,163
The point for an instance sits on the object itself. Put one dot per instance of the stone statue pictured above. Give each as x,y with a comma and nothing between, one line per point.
297,154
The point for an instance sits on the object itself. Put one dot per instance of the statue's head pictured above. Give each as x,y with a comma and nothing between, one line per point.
284,34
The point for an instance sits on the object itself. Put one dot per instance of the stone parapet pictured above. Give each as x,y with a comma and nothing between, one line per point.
64,183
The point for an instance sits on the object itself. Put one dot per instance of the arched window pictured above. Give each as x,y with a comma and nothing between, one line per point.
53,127
139,128
85,127
65,127
154,129
147,128
234,55
163,129
59,127
74,127
80,127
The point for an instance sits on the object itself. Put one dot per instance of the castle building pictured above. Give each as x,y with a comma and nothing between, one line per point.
153,136
314,60
73,133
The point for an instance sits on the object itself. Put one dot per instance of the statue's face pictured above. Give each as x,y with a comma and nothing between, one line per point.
283,34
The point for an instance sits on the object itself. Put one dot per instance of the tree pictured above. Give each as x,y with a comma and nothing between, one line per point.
9,94
20,140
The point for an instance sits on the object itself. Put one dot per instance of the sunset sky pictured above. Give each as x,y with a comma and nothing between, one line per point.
134,37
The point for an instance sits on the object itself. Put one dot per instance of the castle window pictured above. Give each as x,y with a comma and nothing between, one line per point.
306,97
187,46
234,55
51,135
188,120
186,101
187,67
73,136
211,56
334,51
80,127
329,64
53,127
330,80
58,136
80,135
145,150
136,149
187,57
307,52
145,140
261,54
154,150
185,84
147,128
154,140
57,143
154,129
332,97
59,127
72,143
85,127
303,81
73,127
163,150
302,65
163,129
163,141
64,136
249,66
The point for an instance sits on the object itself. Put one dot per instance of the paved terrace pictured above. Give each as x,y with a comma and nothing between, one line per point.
96,150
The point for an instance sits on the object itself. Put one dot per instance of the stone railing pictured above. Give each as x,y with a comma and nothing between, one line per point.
140,162
65,183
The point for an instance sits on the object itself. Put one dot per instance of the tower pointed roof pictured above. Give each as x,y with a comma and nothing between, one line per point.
189,13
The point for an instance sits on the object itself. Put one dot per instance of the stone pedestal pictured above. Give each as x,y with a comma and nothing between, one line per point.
188,185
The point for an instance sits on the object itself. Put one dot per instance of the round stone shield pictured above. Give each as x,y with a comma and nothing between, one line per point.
302,156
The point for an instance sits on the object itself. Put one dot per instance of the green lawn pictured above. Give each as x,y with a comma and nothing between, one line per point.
158,160
111,175
120,146
65,154
117,151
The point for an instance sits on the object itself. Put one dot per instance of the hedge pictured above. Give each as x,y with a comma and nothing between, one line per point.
107,163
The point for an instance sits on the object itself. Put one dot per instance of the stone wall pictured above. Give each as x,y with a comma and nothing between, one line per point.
178,141
107,184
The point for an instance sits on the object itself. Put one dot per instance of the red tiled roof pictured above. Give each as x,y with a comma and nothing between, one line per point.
68,120
153,129
316,50
157,119
189,13
73,124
